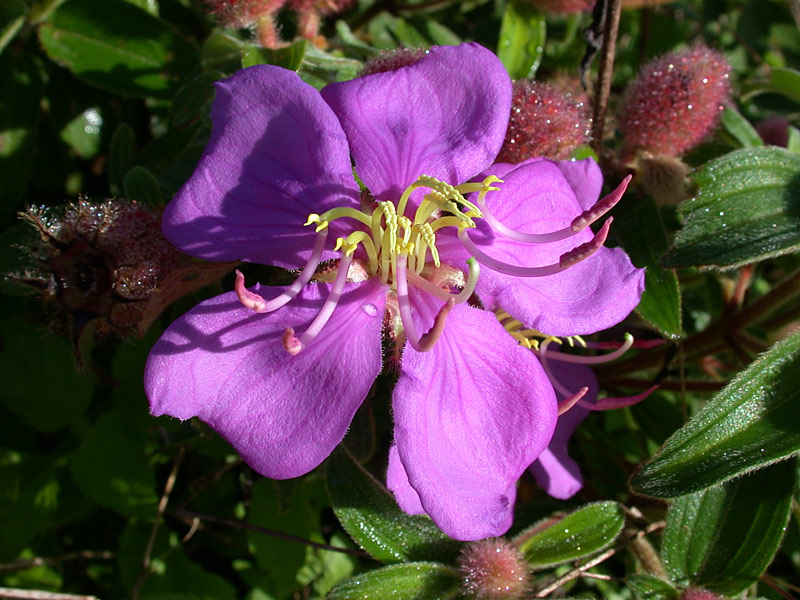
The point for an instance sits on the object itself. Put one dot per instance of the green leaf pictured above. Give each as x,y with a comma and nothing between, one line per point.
411,581
637,222
522,37
584,532
120,157
747,209
289,57
751,423
740,132
84,133
192,100
369,513
42,9
12,17
793,143
723,538
111,468
222,52
141,185
649,587
781,81
46,394
118,47
20,96
28,495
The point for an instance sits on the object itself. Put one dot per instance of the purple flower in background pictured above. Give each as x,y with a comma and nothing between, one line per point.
280,372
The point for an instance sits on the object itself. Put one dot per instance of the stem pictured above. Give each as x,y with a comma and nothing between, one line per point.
701,342
605,72
40,595
27,563
188,515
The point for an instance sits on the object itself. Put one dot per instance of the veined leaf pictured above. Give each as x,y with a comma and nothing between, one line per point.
410,581
747,209
723,538
369,513
753,422
522,37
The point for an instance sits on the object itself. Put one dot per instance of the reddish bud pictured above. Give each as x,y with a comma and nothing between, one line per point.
391,60
546,120
243,13
565,6
675,102
492,570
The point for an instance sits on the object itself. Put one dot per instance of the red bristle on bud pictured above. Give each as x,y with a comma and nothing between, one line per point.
391,60
675,102
699,594
546,120
564,6
492,570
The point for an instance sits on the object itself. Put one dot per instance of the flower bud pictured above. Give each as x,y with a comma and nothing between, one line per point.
492,570
546,120
774,131
564,6
108,265
391,60
674,102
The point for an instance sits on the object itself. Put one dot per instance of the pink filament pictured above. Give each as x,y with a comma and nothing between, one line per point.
257,303
434,290
577,225
428,340
294,344
566,260
615,403
589,360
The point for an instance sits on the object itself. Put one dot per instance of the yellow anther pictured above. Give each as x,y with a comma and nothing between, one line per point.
404,223
346,211
315,218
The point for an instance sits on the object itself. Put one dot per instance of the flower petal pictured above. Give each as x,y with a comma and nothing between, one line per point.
444,116
277,153
397,482
284,414
470,416
592,295
554,470
584,177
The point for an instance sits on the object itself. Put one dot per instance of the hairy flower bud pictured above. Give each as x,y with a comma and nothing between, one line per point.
565,6
492,570
546,120
391,60
674,102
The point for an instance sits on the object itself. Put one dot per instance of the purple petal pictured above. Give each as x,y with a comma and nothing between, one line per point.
592,295
277,153
585,179
284,414
444,116
555,471
470,416
397,482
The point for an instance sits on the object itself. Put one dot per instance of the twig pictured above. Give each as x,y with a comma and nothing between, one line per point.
580,569
27,563
605,73
188,514
771,582
701,342
40,595
162,507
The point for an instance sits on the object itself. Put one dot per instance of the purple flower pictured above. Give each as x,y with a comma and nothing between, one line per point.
280,372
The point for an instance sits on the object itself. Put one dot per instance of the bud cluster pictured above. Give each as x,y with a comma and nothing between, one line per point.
391,60
493,570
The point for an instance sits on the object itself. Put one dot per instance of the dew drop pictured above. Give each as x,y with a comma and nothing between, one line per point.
370,309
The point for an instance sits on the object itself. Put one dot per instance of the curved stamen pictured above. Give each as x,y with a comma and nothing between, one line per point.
566,260
592,360
542,354
568,403
578,224
257,303
615,403
433,289
429,339
294,344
